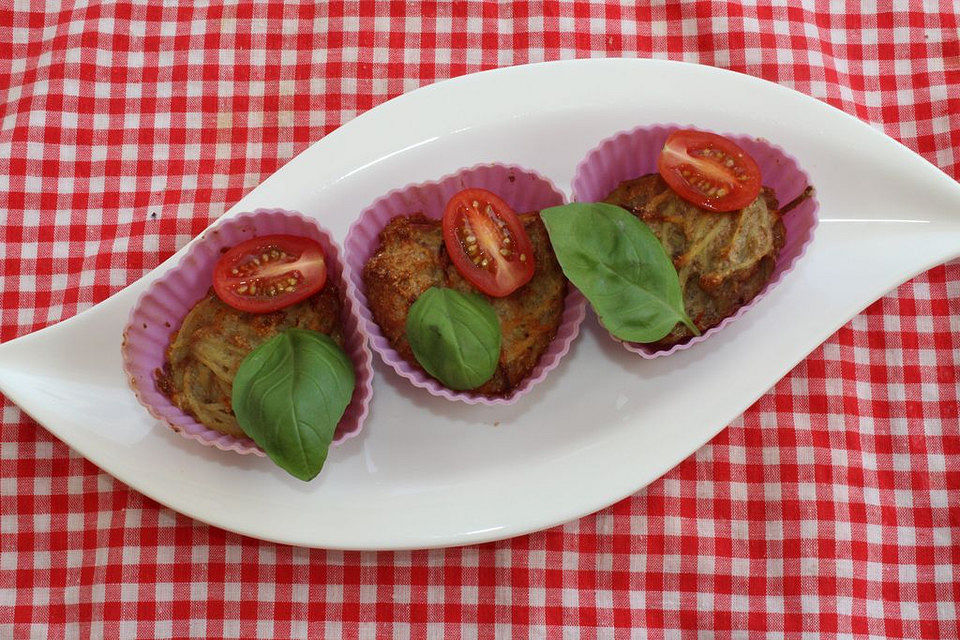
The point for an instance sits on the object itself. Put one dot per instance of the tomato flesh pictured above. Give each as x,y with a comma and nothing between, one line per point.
487,242
709,171
268,273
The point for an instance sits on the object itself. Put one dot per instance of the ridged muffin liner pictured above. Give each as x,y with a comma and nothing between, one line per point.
524,191
161,309
632,154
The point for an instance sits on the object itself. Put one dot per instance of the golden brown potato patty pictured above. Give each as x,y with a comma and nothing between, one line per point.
723,259
412,258
207,350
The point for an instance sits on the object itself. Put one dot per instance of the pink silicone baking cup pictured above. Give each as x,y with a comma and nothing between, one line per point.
523,190
161,310
634,153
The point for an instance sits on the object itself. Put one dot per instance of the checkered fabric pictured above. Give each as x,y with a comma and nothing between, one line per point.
831,506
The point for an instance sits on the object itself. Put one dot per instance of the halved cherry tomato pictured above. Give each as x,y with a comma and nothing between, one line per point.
487,242
709,170
270,272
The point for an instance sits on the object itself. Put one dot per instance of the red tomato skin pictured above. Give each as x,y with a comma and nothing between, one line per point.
510,265
735,186
248,290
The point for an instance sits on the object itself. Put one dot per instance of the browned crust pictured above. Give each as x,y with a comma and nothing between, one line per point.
412,258
214,331
712,288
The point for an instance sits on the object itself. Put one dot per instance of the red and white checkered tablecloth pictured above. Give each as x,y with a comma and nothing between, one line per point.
832,505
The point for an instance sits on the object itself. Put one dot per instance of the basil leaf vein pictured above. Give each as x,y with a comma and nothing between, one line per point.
289,394
455,337
614,259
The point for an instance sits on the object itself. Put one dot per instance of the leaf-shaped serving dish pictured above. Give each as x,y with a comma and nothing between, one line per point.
426,472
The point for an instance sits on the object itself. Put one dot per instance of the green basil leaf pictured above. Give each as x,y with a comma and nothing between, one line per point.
288,396
614,259
455,336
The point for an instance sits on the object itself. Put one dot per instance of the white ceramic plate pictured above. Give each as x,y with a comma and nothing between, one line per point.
427,472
